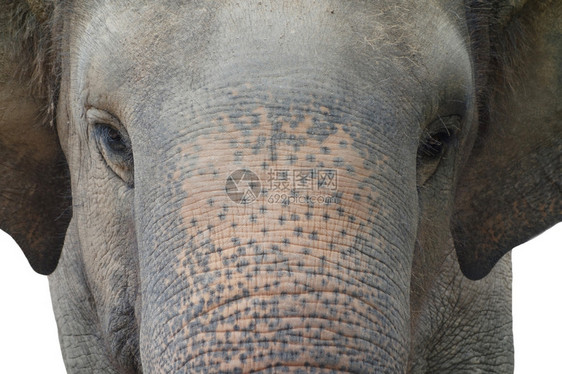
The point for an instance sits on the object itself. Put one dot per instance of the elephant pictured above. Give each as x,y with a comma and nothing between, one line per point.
280,186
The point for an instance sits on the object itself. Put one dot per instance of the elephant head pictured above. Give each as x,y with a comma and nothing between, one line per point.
260,185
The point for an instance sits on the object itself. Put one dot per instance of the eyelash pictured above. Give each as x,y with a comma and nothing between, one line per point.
435,144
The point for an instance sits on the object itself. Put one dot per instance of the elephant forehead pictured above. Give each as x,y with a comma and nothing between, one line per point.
151,50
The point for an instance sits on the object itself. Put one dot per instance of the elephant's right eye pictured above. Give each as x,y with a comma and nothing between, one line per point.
433,145
113,144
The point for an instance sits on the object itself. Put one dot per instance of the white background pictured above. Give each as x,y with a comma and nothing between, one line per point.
28,334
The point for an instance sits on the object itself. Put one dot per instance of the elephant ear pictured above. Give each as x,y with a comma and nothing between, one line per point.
510,188
34,181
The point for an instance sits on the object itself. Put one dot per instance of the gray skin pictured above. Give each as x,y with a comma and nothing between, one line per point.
157,103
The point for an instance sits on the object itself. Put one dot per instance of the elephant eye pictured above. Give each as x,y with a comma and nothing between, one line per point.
433,146
114,139
115,147
113,144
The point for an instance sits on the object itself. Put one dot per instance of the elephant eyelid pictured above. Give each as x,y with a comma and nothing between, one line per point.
451,124
98,116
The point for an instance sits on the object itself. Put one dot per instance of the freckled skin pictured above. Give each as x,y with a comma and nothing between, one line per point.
281,216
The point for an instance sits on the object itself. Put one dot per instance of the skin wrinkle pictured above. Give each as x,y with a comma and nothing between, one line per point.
287,294
356,111
366,253
288,344
281,283
286,261
295,328
318,370
314,343
287,320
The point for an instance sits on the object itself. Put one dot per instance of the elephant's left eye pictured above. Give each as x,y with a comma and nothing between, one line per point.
433,146
113,143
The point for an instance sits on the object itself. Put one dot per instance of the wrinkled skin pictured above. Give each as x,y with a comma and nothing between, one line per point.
162,272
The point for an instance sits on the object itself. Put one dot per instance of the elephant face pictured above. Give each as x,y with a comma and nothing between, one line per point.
265,185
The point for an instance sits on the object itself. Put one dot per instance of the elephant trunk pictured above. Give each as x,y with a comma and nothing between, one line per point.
273,243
